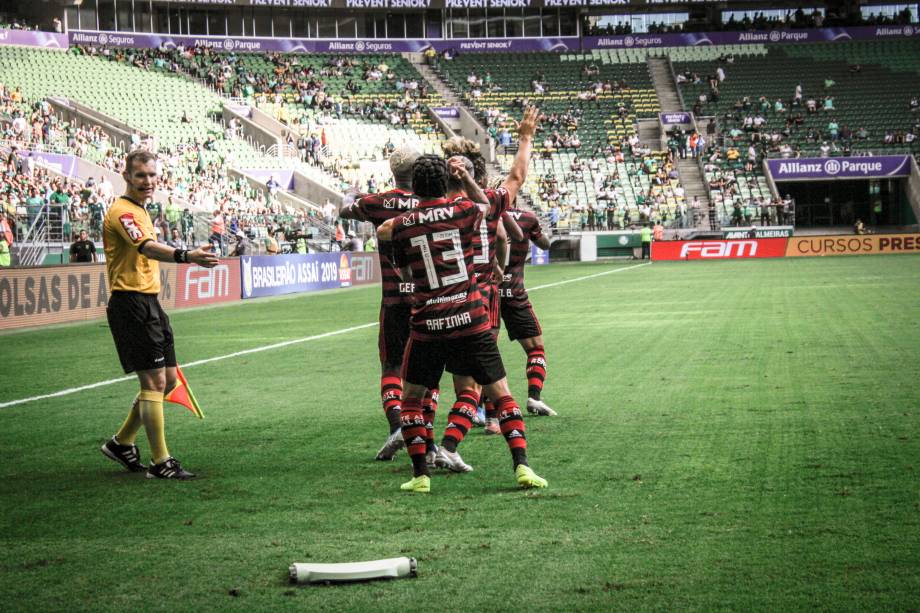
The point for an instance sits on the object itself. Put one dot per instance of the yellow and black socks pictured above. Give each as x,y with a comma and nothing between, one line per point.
413,433
511,422
151,412
391,396
460,419
127,434
536,372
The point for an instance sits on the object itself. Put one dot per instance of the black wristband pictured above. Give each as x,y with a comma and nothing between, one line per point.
180,256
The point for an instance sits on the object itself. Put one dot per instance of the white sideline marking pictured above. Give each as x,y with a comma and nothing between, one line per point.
74,390
296,341
597,274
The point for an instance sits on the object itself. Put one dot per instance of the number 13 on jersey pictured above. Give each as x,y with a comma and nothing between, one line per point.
434,253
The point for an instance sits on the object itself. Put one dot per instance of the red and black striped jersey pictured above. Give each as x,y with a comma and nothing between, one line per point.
436,242
378,208
484,240
512,288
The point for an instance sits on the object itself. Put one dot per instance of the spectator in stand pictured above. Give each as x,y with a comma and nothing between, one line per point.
175,239
6,231
272,185
645,235
554,215
329,212
765,207
173,213
83,249
217,232
243,245
5,256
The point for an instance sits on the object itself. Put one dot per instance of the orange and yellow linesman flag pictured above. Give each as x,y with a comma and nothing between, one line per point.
182,394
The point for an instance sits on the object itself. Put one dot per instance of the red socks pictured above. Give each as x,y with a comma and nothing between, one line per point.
536,372
429,408
391,396
413,433
460,419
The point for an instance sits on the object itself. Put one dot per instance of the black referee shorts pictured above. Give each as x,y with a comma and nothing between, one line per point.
140,327
520,320
393,334
474,356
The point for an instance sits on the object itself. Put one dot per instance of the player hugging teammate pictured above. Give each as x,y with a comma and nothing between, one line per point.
450,326
491,256
397,298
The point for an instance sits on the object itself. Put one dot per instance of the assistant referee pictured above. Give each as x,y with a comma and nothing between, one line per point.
140,327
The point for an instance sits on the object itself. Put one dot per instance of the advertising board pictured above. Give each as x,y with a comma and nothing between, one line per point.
59,294
274,275
853,245
719,249
197,286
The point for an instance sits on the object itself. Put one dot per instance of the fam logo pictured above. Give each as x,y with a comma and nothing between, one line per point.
103,38
360,46
831,167
775,36
247,275
629,41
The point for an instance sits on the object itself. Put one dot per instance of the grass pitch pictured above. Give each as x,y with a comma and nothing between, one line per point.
732,435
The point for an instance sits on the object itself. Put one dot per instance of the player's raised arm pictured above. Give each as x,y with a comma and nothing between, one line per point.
512,228
526,130
458,169
352,209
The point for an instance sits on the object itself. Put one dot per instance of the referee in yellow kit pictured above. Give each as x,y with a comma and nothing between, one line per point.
143,336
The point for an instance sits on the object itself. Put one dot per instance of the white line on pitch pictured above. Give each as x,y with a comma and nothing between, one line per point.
74,390
597,274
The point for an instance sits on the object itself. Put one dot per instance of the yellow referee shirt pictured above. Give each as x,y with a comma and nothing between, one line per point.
126,228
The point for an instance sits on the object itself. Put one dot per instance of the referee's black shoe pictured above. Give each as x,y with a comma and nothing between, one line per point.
169,469
126,455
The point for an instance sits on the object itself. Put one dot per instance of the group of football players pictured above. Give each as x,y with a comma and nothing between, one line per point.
452,251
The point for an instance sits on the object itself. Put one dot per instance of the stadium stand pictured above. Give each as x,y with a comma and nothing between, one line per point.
195,151
324,96
589,154
796,100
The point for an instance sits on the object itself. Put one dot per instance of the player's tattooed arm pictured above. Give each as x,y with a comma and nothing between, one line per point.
518,174
542,242
472,189
512,227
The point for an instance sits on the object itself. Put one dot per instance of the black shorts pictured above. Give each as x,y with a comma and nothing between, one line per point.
475,356
520,320
393,334
140,327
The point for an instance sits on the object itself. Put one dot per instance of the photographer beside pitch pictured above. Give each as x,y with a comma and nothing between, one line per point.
140,327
